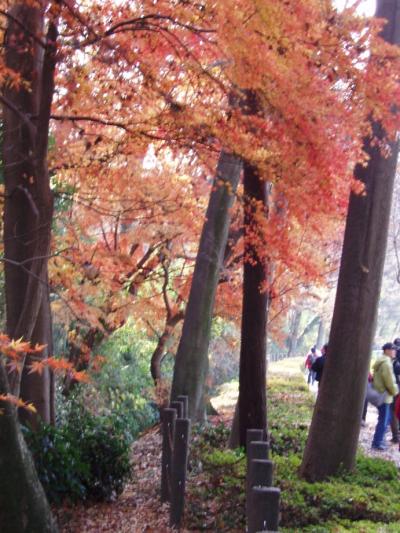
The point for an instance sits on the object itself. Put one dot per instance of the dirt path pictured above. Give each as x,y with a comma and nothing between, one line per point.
137,510
367,432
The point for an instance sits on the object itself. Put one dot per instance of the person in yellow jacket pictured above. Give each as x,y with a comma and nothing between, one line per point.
384,381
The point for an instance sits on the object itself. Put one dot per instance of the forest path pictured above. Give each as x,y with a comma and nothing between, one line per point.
138,509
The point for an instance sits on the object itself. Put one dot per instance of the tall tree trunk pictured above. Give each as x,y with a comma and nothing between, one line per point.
252,407
23,504
336,420
191,362
28,209
27,229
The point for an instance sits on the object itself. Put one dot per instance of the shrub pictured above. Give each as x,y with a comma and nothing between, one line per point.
288,439
124,388
348,496
86,458
104,447
58,462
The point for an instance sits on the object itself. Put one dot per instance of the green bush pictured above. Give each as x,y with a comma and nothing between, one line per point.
87,454
124,386
58,462
86,458
104,446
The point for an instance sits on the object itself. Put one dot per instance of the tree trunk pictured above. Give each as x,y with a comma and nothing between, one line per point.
321,334
158,354
191,362
309,327
252,371
28,209
333,437
27,228
294,332
35,388
23,504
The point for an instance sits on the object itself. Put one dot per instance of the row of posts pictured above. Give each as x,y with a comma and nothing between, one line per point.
262,500
174,459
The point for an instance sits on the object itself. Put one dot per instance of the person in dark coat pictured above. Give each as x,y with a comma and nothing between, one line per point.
319,363
394,423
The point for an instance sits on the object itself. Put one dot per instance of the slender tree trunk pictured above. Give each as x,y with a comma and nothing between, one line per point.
333,437
158,354
191,363
308,328
294,333
252,408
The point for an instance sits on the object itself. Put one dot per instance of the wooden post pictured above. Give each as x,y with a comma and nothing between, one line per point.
185,401
256,450
253,435
178,405
259,475
179,467
168,418
264,510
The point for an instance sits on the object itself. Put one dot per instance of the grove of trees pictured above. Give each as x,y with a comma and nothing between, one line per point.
165,163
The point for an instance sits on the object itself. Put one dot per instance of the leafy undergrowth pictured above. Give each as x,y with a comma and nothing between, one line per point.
363,501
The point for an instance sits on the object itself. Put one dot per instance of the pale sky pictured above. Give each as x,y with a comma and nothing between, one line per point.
367,7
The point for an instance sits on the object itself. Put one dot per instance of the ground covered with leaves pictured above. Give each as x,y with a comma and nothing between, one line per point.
364,501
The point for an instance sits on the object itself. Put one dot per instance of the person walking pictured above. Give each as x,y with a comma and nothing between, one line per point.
319,363
383,381
311,357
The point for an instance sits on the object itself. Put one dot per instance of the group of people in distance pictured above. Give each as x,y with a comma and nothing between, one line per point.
385,378
315,364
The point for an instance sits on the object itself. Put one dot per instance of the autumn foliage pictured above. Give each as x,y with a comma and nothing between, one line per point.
146,95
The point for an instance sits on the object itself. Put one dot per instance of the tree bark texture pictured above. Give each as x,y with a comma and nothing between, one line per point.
252,370
335,427
28,207
23,504
191,363
171,322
